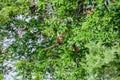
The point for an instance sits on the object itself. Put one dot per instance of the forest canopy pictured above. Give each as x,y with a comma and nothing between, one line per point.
62,39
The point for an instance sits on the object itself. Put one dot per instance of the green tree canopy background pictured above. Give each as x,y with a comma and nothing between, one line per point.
91,42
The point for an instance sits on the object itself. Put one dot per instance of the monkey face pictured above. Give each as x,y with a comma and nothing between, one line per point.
89,11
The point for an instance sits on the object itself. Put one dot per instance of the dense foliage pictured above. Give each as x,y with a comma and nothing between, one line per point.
90,42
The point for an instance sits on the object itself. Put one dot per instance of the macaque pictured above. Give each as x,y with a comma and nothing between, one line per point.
59,38
58,41
75,48
89,10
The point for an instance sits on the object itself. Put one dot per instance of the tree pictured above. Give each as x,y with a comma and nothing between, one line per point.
90,42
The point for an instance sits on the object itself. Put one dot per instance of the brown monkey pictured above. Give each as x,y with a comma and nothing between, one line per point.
59,38
89,11
59,41
75,48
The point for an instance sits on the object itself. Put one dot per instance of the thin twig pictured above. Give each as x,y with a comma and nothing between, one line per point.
51,47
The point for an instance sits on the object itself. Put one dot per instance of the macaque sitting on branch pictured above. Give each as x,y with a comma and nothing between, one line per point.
90,7
89,10
59,38
59,41
75,48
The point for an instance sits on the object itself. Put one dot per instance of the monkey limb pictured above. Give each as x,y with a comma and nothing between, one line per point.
51,47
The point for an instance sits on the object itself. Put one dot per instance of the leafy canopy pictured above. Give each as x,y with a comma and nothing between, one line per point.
35,26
